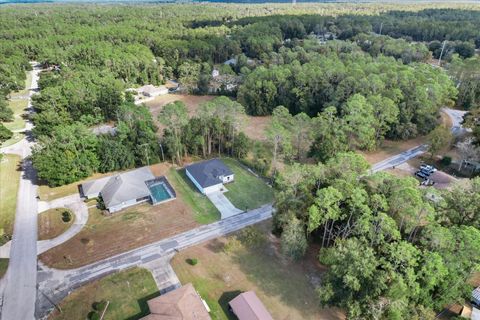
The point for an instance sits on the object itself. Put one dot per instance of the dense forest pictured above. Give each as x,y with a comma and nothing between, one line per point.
334,79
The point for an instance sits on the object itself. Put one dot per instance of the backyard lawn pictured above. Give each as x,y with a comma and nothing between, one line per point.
228,266
54,222
9,181
247,191
127,291
203,210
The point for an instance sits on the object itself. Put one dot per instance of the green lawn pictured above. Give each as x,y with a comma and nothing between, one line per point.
9,181
18,103
3,266
18,106
127,291
204,211
247,191
17,136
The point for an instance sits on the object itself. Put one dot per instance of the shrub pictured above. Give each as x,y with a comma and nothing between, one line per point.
232,245
93,315
192,261
446,161
66,216
252,237
99,306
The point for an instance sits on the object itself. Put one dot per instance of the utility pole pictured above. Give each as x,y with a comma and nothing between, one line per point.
441,53
381,27
161,148
146,152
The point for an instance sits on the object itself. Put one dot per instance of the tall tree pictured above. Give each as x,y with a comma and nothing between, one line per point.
174,116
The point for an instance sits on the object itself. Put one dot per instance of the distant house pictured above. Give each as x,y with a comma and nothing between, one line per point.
129,188
210,175
152,91
104,129
183,303
247,306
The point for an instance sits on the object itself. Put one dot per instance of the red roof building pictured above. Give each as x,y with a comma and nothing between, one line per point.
247,306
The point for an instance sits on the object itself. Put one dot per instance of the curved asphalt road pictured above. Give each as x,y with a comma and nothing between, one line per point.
457,129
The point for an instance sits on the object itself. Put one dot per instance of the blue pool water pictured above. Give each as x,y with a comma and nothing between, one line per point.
159,192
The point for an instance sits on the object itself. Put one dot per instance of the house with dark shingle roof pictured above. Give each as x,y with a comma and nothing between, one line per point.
210,175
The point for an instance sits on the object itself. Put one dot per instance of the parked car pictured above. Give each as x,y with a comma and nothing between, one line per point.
421,174
428,168
426,172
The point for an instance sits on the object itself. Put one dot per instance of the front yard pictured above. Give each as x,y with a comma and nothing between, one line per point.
127,291
54,222
247,191
9,181
228,266
203,210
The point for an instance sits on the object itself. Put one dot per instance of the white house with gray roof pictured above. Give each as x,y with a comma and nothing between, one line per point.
128,188
210,175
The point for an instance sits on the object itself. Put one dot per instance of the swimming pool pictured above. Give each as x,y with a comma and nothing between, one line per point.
160,190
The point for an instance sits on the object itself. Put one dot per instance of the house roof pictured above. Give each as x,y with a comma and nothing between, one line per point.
183,303
476,295
247,306
121,187
127,186
93,187
151,89
208,173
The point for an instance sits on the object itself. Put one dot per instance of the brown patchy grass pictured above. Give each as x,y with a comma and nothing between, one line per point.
51,225
227,267
105,236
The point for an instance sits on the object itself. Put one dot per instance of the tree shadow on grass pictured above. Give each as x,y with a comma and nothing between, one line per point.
225,298
142,303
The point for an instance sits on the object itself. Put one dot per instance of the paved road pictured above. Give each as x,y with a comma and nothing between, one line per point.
457,129
457,119
55,284
20,281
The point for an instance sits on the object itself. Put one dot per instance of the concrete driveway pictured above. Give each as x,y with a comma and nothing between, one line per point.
226,208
